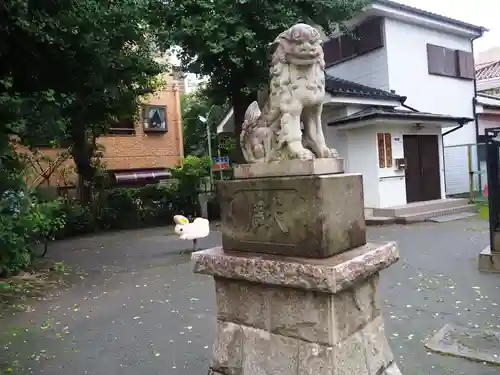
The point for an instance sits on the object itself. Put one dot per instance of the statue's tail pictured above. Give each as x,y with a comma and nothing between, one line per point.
252,115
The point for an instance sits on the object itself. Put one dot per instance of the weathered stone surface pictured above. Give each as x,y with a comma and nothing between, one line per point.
489,261
349,356
355,307
363,353
266,353
315,359
324,275
228,349
475,344
378,353
289,168
243,302
302,314
307,216
393,369
307,315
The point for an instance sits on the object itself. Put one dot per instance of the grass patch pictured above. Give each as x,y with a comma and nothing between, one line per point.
483,211
17,293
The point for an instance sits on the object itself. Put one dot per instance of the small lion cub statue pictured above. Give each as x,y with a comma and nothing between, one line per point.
199,228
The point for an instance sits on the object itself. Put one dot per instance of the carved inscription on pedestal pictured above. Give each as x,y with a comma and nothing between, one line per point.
268,215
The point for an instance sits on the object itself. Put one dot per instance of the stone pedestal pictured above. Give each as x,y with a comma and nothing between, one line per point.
312,211
296,282
291,316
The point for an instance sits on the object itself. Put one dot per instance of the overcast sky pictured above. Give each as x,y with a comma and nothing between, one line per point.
478,12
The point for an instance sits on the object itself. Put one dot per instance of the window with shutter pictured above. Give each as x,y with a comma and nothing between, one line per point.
370,36
123,127
347,46
435,59
466,65
450,63
331,49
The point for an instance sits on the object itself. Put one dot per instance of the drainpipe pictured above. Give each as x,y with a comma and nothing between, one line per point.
178,118
474,113
402,99
410,108
460,126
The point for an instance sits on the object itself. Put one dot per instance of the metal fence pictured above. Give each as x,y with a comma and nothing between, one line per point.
465,171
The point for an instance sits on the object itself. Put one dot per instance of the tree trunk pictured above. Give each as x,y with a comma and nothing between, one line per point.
240,101
82,152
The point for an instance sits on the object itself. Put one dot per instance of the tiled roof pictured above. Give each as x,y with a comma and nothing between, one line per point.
337,86
491,70
392,113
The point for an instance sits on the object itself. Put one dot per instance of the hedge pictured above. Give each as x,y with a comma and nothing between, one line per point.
126,208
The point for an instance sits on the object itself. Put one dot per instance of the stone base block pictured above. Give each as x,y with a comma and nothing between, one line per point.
314,216
287,168
488,261
331,275
243,350
292,316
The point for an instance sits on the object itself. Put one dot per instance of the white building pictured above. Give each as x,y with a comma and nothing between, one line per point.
192,82
397,93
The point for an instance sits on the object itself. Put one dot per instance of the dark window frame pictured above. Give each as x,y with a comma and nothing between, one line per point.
365,38
122,127
145,109
452,63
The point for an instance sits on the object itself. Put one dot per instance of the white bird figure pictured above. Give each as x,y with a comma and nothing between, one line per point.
199,228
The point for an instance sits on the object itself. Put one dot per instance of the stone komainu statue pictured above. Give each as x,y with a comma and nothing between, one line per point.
296,95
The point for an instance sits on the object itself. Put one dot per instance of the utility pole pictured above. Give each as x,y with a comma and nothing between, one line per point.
209,140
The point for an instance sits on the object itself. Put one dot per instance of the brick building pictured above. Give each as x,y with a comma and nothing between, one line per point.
135,152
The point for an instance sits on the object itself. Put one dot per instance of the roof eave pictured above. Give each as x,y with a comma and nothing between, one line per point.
400,116
384,5
364,95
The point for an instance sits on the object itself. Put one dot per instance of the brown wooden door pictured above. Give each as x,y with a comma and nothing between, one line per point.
422,167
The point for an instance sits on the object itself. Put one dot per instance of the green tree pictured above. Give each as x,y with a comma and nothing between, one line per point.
193,106
227,39
77,67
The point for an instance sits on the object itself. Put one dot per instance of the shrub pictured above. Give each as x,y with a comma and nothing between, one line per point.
123,208
127,208
23,223
24,220
189,176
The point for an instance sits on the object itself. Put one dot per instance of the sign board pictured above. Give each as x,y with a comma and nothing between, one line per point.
220,163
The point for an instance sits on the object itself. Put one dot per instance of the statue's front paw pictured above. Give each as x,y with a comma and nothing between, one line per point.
258,152
329,153
297,151
304,155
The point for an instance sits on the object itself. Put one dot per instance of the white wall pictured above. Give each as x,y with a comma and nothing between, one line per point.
458,157
487,122
358,149
362,158
336,139
392,182
383,187
408,75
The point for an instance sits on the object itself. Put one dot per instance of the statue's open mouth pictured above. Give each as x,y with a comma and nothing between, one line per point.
308,55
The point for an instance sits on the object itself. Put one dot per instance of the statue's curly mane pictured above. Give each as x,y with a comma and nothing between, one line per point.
284,64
